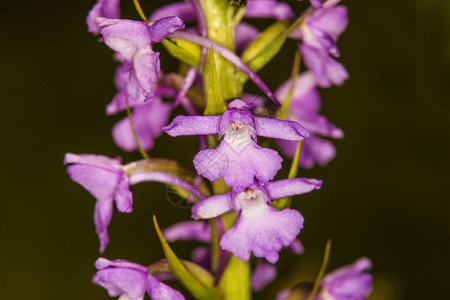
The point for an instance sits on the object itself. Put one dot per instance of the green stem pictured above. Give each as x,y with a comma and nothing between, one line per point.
322,270
220,21
138,7
133,130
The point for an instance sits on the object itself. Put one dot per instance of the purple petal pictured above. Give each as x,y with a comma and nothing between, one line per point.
280,129
93,160
189,80
291,187
122,281
268,9
212,207
124,36
349,282
193,125
263,274
148,120
245,34
103,263
262,230
303,85
238,160
331,20
188,230
161,28
297,247
102,217
327,70
185,11
100,182
318,124
103,8
202,257
159,290
316,3
317,150
123,196
142,81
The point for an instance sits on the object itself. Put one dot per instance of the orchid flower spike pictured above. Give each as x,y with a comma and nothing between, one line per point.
238,159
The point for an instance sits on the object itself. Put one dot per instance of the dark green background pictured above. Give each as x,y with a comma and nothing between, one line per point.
385,196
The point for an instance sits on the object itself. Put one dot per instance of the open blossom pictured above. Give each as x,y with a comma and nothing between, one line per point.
259,228
132,41
238,159
200,231
347,283
106,180
304,108
109,181
319,33
131,281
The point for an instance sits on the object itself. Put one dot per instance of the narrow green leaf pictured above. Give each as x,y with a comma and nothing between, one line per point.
198,289
214,104
187,52
266,45
235,281
326,257
282,114
201,274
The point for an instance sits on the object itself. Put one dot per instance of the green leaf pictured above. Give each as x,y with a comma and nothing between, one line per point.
200,289
201,274
220,24
214,104
235,281
187,52
266,45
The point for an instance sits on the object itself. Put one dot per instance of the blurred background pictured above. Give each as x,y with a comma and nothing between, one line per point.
385,196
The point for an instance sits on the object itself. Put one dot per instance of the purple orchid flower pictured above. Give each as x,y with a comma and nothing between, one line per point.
319,33
270,9
348,282
129,280
102,9
106,180
148,120
132,40
109,181
304,108
259,228
200,231
238,159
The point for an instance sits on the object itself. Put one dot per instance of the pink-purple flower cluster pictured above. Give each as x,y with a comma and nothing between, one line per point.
259,228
